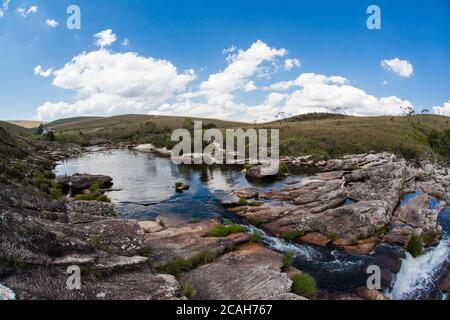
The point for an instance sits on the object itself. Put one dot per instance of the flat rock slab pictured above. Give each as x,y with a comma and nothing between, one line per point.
137,285
251,272
187,241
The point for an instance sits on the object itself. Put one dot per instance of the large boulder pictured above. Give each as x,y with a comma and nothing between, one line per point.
188,241
250,273
82,181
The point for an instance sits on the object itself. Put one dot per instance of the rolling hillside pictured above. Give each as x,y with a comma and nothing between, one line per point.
323,135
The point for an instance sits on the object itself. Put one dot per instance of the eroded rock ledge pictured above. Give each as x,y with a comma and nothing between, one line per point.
354,201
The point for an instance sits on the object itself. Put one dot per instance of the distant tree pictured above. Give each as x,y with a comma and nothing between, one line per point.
40,129
407,111
188,124
425,111
210,126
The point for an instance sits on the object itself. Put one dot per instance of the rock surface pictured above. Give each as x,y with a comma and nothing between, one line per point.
82,181
251,272
188,241
353,202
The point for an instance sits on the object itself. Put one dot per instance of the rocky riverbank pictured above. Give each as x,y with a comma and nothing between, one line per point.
354,203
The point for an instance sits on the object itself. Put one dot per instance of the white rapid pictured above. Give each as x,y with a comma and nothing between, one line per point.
417,276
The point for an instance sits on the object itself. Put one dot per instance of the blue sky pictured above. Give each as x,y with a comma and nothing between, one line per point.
289,56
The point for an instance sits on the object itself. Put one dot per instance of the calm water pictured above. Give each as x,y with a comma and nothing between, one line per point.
147,182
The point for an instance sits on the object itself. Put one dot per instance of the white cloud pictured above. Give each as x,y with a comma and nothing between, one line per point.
443,110
242,66
105,38
51,23
289,64
109,83
39,71
25,13
385,82
4,7
402,68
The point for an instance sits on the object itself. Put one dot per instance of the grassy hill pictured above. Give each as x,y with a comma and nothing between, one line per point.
27,124
322,135
336,136
15,129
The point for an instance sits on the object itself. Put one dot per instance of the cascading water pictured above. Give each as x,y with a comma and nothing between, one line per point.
418,276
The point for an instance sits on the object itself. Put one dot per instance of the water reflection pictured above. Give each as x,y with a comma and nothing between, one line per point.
147,182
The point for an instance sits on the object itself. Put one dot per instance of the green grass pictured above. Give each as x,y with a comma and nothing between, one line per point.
288,259
429,236
92,197
255,237
188,290
303,285
177,265
332,235
415,245
225,230
293,235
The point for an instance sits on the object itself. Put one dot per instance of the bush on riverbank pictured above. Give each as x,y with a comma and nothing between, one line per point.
293,235
303,285
288,259
415,245
225,230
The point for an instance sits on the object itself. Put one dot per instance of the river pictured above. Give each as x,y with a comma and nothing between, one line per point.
147,184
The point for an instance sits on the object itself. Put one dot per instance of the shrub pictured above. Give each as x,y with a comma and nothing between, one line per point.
415,245
288,259
225,230
188,290
429,236
243,202
293,235
332,235
255,237
303,285
255,221
255,204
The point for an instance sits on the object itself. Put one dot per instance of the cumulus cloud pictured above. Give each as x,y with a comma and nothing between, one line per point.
443,110
403,68
51,23
25,13
3,7
112,83
108,83
40,72
290,64
105,38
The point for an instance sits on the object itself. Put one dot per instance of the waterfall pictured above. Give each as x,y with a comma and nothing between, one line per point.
418,276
